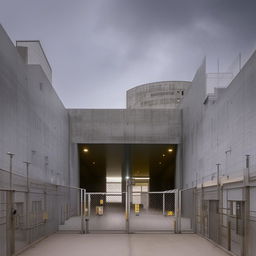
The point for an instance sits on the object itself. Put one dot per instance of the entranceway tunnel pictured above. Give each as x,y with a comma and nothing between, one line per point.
153,165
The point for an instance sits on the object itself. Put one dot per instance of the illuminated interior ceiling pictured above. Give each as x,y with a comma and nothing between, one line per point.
98,161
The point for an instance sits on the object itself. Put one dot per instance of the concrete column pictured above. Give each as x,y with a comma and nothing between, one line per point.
178,173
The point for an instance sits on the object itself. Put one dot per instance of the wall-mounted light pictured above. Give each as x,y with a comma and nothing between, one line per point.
114,179
86,150
170,149
141,178
163,155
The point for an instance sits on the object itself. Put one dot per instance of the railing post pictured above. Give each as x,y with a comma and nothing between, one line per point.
28,203
82,210
246,214
164,203
220,205
10,213
177,211
127,205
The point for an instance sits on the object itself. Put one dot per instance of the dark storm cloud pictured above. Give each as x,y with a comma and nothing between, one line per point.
100,48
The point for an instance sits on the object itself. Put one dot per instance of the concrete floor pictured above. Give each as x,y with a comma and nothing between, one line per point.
125,245
113,219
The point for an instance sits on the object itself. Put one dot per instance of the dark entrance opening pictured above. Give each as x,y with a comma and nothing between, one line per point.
105,166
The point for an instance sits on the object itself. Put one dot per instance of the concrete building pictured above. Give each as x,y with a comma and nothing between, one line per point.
166,94
177,160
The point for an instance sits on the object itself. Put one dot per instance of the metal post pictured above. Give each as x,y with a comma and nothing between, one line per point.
179,212
246,214
127,205
247,170
84,212
28,203
220,205
11,157
229,235
81,210
11,227
176,211
240,61
164,203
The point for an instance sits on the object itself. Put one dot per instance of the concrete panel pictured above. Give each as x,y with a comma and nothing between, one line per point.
134,126
220,128
235,195
34,124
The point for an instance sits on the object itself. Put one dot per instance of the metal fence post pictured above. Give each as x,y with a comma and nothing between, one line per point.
246,205
28,203
219,198
81,210
10,213
177,211
164,203
127,205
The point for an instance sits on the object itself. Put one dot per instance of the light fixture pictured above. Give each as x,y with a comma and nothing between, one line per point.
160,162
170,150
163,155
127,177
93,162
114,179
141,178
86,150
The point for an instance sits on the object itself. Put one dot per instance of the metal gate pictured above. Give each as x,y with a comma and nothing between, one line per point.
105,212
130,212
152,211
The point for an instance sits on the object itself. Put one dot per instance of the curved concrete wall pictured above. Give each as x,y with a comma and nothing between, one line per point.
167,94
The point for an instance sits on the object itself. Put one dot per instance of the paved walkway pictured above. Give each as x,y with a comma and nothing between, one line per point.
124,245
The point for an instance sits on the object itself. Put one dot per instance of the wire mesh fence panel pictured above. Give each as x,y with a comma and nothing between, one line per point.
152,211
106,212
187,220
71,211
20,220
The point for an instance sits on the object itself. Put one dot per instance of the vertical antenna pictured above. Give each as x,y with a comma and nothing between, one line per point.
240,61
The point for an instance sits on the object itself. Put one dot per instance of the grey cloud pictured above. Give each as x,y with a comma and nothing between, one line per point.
100,48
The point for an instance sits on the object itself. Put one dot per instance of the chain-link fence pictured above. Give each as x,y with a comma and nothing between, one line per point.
106,212
226,215
187,210
153,211
31,209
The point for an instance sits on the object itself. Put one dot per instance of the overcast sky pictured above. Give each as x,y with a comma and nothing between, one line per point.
98,49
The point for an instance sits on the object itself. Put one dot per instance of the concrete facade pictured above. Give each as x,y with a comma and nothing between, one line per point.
34,123
219,129
215,134
158,95
126,126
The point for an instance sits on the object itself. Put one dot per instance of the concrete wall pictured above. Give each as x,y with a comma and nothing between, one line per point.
34,54
160,95
34,124
132,126
220,129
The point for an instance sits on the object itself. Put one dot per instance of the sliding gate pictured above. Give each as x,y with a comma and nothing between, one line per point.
130,212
